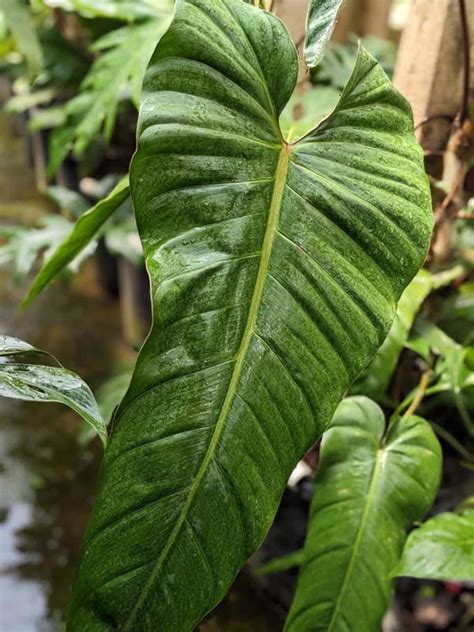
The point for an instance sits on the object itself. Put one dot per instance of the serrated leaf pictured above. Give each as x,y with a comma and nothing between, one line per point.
84,231
375,380
116,75
442,548
370,486
320,25
275,274
19,21
36,383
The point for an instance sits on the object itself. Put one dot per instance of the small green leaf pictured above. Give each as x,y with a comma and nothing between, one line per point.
284,563
83,232
321,22
442,548
370,486
13,346
20,22
374,381
37,383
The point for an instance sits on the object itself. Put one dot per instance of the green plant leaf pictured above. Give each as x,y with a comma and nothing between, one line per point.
85,229
25,245
37,383
126,10
20,22
14,346
369,488
275,273
453,373
374,381
284,563
116,75
322,17
442,548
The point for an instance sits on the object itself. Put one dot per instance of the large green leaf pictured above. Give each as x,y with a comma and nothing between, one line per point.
275,274
370,486
374,381
81,235
442,548
37,383
321,22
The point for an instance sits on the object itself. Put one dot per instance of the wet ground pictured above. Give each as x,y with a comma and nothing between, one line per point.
47,480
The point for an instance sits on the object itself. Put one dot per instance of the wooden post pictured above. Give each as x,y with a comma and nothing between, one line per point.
429,69
375,16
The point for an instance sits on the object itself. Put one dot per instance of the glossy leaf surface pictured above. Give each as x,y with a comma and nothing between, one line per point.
375,380
368,489
442,548
85,230
275,274
321,22
37,383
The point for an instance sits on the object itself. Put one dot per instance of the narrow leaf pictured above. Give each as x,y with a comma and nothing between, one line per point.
375,380
442,548
320,25
85,229
368,489
37,383
275,273
284,563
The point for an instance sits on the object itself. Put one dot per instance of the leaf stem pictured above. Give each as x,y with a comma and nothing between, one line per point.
420,394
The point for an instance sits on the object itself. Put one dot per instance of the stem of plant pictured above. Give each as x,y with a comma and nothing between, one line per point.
453,442
422,386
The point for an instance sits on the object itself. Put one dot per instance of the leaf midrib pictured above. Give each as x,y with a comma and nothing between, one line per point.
371,495
267,247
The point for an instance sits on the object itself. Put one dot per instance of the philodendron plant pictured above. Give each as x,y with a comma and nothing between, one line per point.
275,270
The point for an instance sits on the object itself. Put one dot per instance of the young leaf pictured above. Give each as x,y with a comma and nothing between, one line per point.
84,231
368,489
442,548
36,383
19,21
321,22
275,274
375,380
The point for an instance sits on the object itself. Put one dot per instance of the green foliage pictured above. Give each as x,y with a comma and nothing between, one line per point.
19,21
375,380
337,65
275,274
321,22
453,372
442,548
358,516
117,74
24,246
79,238
37,383
126,10
304,111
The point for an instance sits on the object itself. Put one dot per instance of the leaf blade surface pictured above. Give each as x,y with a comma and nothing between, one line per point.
368,489
250,352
